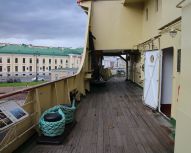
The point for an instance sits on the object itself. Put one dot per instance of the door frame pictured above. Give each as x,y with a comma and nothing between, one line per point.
159,81
161,70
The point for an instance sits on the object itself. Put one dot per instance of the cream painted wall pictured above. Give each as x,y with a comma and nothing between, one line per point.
167,12
115,26
183,133
157,19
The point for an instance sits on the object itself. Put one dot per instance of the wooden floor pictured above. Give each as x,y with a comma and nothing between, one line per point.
112,119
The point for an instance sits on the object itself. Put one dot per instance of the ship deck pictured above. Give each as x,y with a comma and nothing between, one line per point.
113,119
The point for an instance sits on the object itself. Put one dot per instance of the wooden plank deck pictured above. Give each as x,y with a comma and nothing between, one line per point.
112,119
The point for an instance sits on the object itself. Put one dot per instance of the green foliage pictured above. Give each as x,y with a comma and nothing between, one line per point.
21,84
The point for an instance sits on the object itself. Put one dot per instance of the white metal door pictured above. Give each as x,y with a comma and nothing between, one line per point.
151,83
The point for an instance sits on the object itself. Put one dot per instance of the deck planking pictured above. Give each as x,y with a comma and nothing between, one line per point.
113,119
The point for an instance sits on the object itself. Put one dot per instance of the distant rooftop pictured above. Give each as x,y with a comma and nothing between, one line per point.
38,50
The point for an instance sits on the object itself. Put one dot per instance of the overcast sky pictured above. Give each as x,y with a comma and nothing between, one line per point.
42,22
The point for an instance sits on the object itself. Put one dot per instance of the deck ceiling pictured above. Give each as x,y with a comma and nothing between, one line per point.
126,2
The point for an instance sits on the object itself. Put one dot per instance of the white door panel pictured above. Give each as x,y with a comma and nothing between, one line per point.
151,84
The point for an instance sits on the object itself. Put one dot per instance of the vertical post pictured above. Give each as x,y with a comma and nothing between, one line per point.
127,67
37,61
36,67
37,106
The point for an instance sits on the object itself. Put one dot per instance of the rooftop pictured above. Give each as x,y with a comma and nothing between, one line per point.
36,50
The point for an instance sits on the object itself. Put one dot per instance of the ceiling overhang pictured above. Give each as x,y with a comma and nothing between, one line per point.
128,2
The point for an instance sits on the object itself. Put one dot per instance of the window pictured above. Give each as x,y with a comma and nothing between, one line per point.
1,68
43,61
49,68
16,68
8,60
156,5
8,68
0,59
147,14
67,63
24,60
37,60
16,60
43,68
30,68
61,61
24,74
55,61
55,67
16,74
23,68
30,60
50,61
179,61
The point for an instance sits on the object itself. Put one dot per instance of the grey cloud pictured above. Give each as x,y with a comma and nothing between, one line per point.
41,19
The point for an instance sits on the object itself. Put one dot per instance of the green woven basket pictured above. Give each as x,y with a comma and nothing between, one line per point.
69,112
52,129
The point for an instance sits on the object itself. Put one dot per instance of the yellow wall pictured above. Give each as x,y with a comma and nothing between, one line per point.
166,13
115,26
183,133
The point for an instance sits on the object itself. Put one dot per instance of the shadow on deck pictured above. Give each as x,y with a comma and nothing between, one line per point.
113,119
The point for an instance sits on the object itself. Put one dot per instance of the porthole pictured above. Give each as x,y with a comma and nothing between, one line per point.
152,59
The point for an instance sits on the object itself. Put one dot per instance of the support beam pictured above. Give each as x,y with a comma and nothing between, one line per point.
123,58
127,69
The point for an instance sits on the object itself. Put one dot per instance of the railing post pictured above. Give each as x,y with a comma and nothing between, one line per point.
37,106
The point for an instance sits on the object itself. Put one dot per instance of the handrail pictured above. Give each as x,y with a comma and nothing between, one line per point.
31,88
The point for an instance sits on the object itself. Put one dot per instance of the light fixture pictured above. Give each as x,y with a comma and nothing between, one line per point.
173,33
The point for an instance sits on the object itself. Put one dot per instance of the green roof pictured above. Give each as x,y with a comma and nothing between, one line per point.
32,50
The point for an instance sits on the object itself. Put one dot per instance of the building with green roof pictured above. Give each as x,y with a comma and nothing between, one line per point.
26,61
